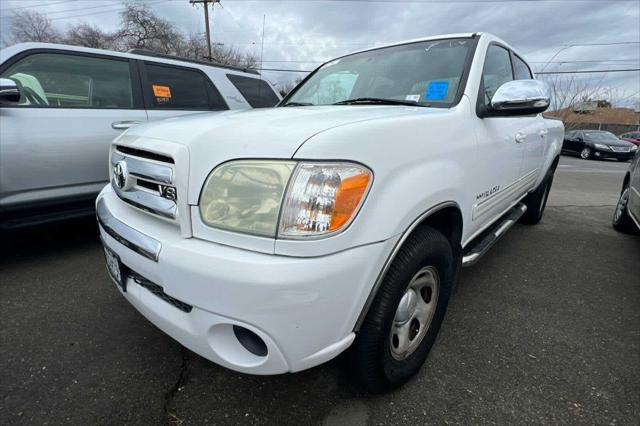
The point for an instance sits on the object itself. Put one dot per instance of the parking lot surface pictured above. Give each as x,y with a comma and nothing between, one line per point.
544,329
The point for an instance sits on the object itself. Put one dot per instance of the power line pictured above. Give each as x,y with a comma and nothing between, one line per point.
39,5
120,9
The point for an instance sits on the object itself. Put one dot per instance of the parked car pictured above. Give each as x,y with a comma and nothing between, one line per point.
271,241
590,144
627,214
633,137
61,106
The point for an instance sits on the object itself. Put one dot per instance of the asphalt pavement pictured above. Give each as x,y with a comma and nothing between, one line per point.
544,329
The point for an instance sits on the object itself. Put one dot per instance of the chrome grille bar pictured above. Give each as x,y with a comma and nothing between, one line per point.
145,169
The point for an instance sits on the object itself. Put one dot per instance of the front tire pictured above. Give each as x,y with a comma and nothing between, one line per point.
622,222
585,154
406,314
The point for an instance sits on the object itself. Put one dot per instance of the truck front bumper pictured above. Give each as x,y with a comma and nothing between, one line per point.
206,295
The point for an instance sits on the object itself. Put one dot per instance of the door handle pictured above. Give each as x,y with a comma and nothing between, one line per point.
543,133
521,137
123,125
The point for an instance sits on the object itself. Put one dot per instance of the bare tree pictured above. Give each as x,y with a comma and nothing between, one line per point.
143,29
284,89
32,26
140,28
567,92
89,36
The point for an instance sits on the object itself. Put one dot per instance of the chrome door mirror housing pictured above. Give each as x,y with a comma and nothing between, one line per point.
9,91
521,97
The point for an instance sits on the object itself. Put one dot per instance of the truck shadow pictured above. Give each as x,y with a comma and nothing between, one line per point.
38,242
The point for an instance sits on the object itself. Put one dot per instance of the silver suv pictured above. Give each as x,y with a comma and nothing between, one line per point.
61,106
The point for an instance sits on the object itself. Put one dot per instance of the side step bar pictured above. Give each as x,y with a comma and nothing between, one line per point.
497,230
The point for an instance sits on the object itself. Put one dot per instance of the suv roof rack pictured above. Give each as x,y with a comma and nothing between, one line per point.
153,54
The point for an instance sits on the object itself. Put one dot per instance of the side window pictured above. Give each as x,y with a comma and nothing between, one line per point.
521,69
57,80
179,88
257,92
496,71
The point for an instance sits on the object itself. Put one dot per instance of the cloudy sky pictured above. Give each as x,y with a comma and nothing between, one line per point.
300,34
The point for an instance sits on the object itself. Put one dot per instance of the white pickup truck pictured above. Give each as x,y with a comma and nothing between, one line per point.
271,241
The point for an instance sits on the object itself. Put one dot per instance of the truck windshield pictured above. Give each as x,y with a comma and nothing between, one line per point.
425,74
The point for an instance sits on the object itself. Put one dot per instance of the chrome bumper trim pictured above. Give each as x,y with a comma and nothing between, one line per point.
126,235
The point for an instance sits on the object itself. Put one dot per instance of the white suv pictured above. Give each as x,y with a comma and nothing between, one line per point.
61,106
271,241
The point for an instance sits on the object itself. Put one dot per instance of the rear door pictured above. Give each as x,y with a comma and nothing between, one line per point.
171,90
54,142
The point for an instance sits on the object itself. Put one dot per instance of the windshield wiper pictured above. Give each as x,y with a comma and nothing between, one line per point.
379,101
297,104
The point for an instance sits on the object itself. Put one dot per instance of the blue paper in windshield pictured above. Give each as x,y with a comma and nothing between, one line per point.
436,91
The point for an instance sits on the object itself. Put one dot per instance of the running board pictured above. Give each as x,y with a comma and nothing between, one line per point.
493,234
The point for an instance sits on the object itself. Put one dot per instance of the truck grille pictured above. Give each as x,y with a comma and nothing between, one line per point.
145,180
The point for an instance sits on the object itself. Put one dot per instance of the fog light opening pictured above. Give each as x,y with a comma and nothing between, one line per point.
250,341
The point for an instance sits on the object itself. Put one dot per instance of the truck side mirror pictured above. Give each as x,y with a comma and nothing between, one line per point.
9,91
520,97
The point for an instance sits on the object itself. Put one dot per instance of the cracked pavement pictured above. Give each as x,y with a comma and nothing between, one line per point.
544,329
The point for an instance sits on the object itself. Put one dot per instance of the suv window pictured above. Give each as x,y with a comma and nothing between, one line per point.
497,70
257,92
55,80
521,69
179,88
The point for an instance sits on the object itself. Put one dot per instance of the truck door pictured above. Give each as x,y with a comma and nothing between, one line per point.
501,145
171,90
534,131
54,142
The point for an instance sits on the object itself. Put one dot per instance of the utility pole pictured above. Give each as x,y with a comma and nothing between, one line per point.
205,3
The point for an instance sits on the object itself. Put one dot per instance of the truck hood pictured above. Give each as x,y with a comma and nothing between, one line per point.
213,138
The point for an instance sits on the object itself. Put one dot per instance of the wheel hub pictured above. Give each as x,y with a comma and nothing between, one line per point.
414,313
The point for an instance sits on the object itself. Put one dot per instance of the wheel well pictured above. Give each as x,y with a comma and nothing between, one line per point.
448,221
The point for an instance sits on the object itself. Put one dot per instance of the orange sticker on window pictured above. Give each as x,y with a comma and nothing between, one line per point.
161,91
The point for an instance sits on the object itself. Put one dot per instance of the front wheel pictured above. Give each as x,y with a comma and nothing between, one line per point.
585,154
405,316
621,220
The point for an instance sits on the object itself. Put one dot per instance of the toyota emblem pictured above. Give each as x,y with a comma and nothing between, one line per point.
120,175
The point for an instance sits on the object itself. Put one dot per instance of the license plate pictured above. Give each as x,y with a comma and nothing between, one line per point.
114,267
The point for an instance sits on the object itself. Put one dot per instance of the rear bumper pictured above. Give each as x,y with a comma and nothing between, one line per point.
303,309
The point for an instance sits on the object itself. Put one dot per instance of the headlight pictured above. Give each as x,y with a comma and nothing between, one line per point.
245,195
634,148
601,146
249,196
